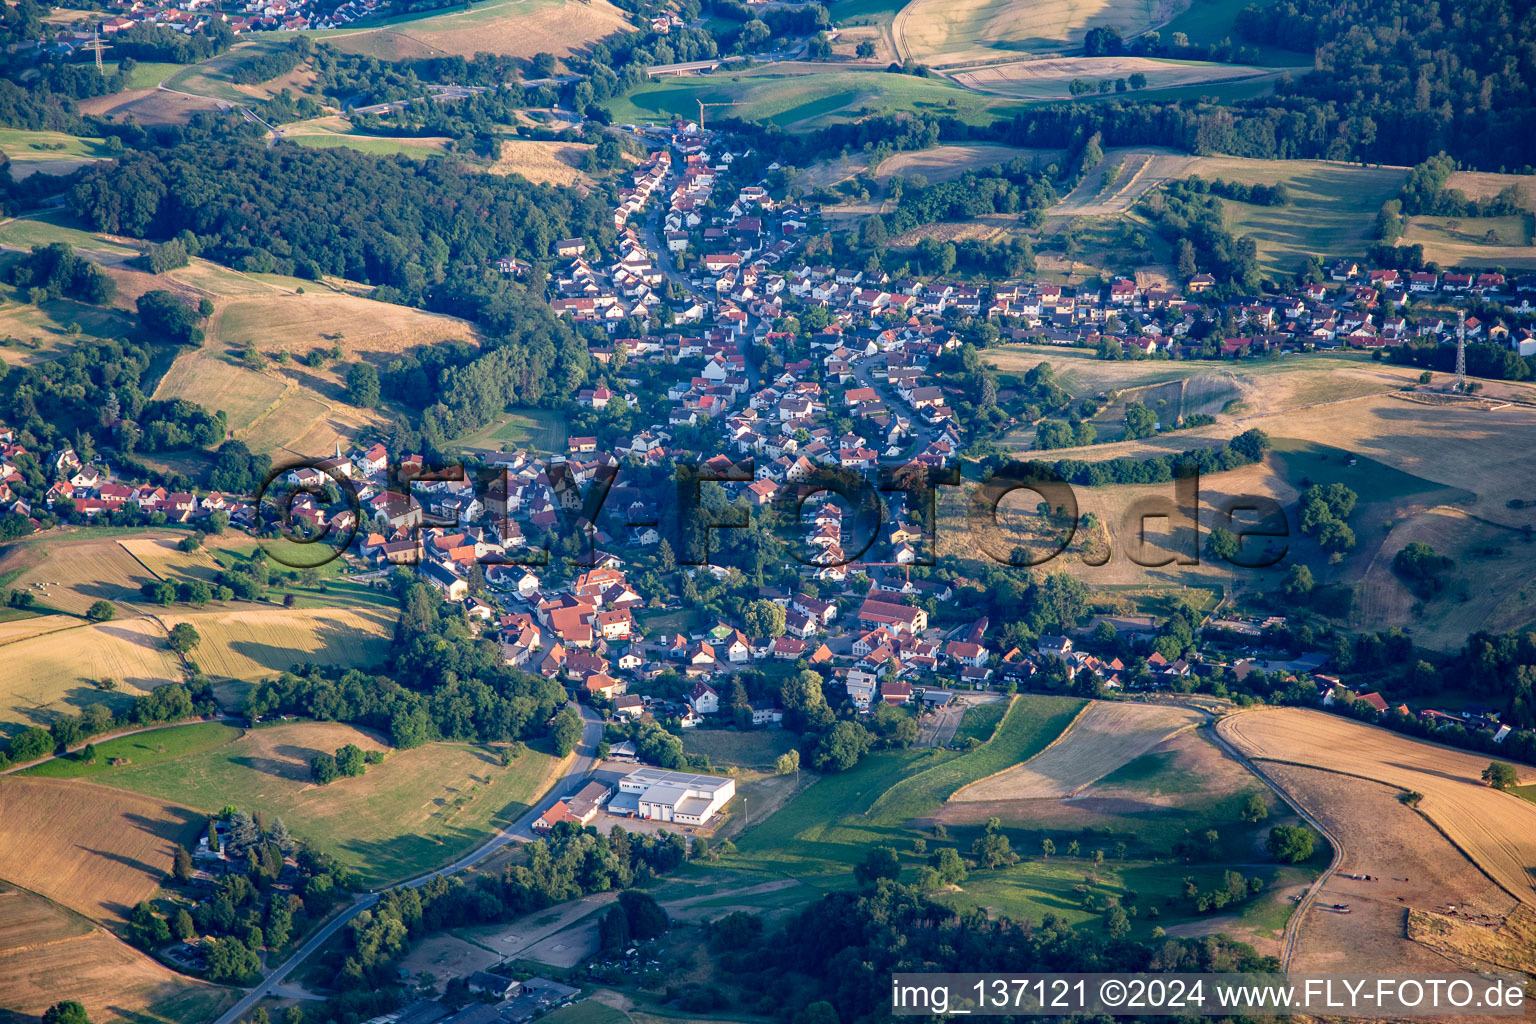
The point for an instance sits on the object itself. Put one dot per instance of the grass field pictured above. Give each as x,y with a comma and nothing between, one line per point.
143,749
161,556
42,943
30,334
49,152
540,429
758,749
1049,79
1497,831
415,810
943,32
1104,737
1331,208
980,722
1031,724
1486,185
805,96
44,228
517,28
375,145
107,849
253,643
946,163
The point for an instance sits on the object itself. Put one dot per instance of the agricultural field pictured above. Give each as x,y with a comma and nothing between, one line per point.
23,233
214,79
1486,185
1474,241
280,320
548,163
946,163
1497,831
42,943
1137,171
49,152
38,684
250,644
150,105
1331,210
1049,79
219,384
1413,868
540,429
1103,738
161,556
803,96
374,145
758,749
947,32
516,28
69,574
107,849
417,809
143,748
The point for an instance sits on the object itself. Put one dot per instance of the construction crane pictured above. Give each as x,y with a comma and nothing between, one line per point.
702,105
97,46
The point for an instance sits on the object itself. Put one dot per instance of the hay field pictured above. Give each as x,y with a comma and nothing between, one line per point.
516,28
282,321
1486,185
71,575
1497,831
218,384
41,943
1488,587
416,809
546,163
150,106
946,163
57,673
107,849
1473,241
32,333
1049,79
257,643
942,32
1104,737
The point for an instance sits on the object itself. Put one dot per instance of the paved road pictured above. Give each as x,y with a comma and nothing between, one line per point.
519,831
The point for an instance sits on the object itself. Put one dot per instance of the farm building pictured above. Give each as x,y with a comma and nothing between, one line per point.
660,795
579,809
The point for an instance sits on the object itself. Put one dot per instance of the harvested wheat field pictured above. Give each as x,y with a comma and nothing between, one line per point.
13,630
161,556
1104,737
1497,831
219,384
1412,867
258,643
59,673
91,848
938,32
72,575
545,163
42,943
1049,79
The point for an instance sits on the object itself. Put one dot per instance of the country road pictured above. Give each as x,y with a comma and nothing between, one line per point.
519,831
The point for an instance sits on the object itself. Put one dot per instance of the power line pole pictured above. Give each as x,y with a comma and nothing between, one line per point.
1461,352
97,46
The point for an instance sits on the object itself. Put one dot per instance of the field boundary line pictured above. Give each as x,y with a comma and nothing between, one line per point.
141,562
62,629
